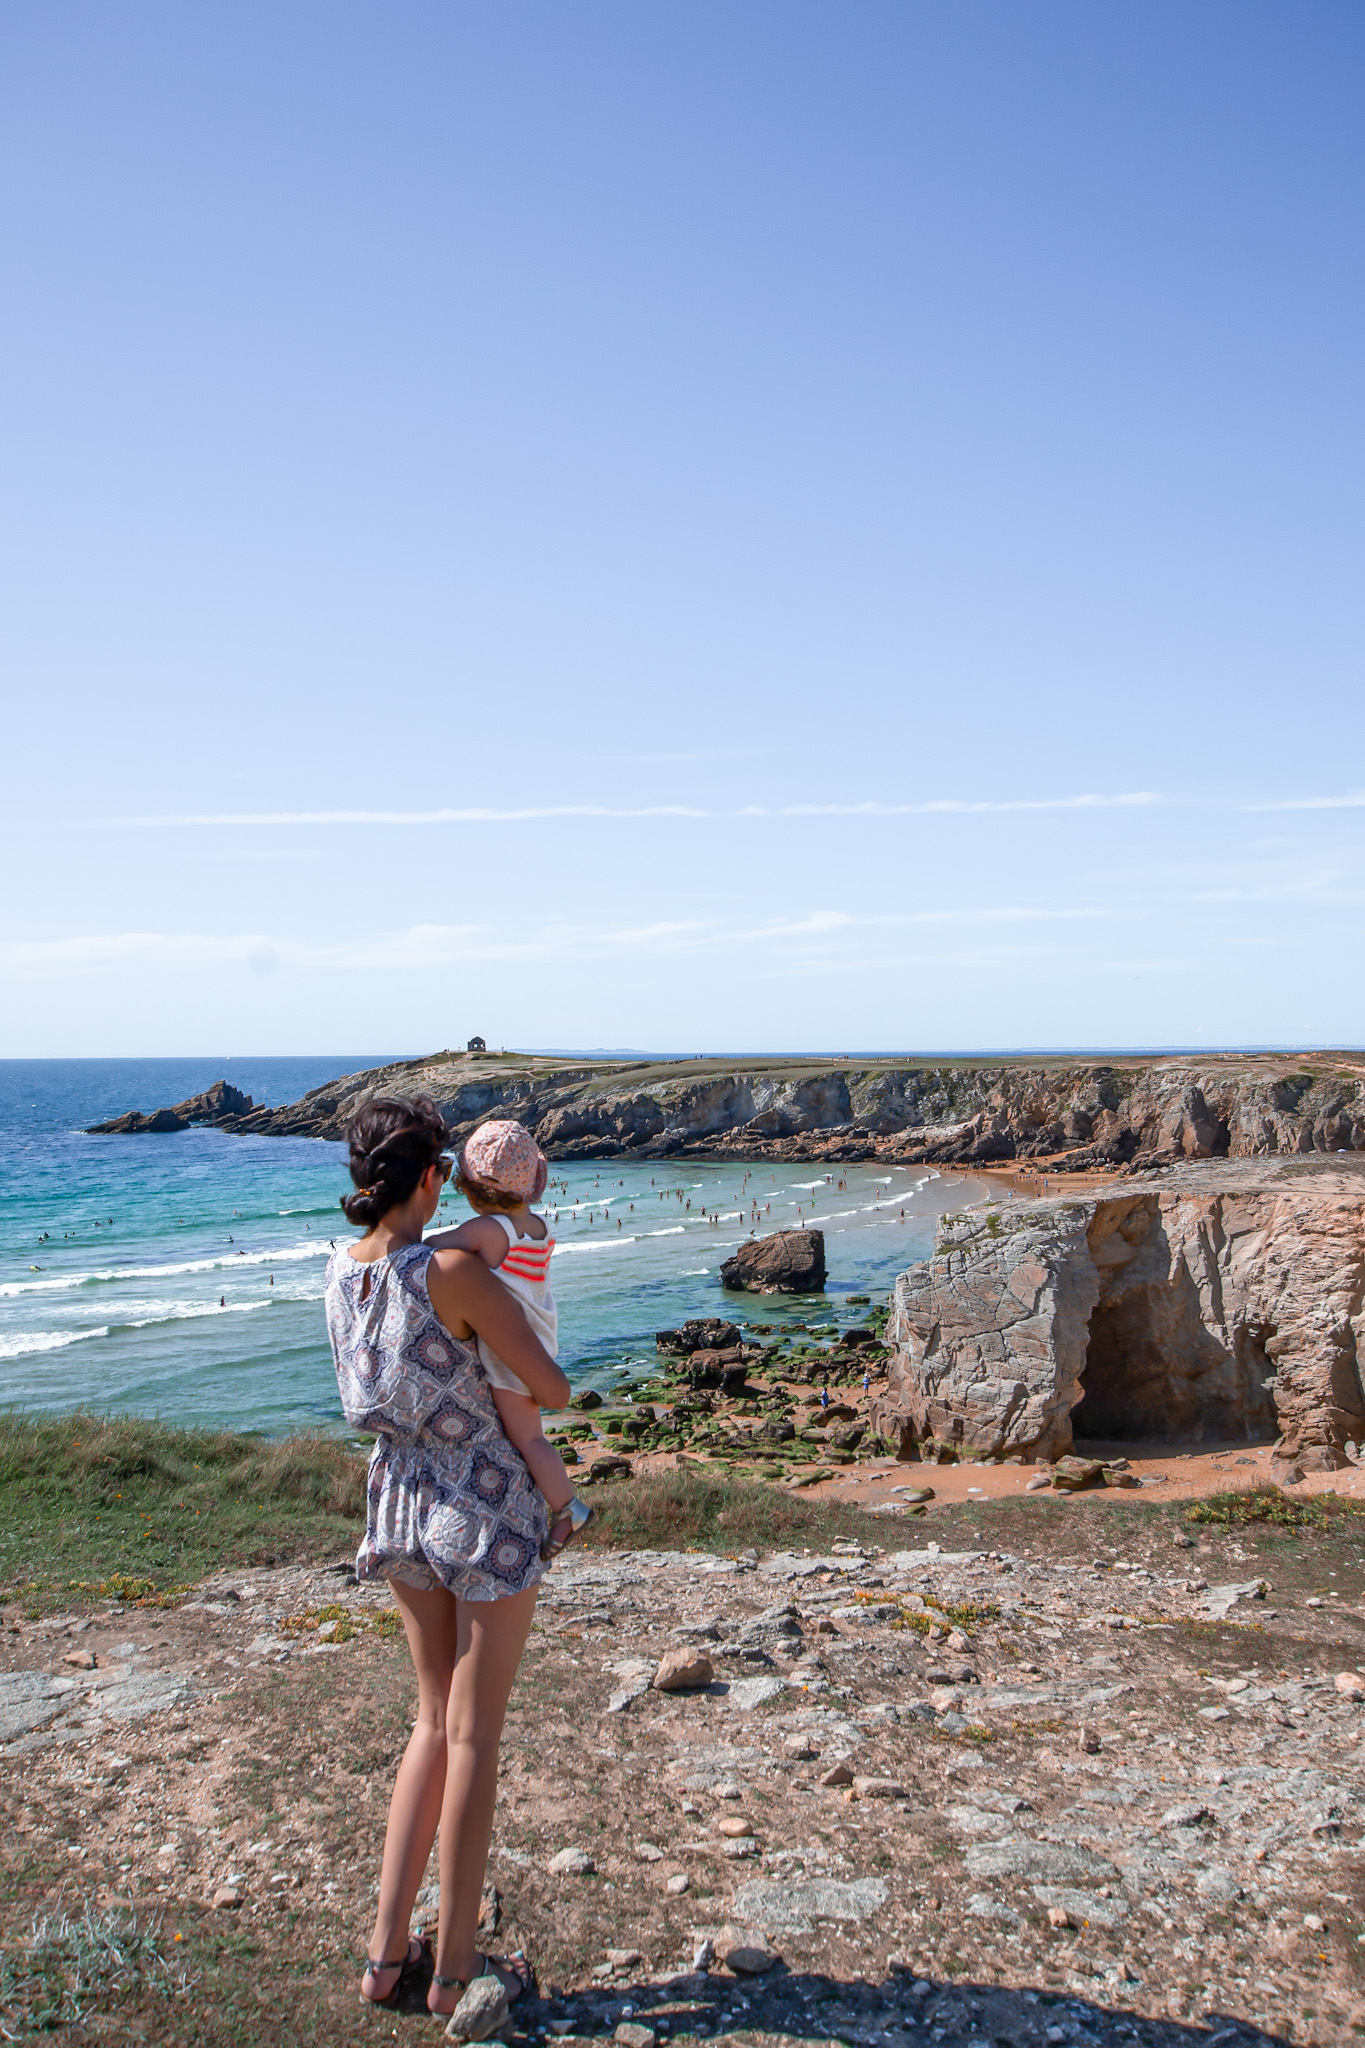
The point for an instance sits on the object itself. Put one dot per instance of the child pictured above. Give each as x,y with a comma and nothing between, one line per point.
501,1172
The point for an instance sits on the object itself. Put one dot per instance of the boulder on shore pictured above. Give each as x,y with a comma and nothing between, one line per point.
703,1333
788,1262
727,1370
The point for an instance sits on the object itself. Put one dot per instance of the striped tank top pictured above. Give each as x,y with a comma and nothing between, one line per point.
525,1272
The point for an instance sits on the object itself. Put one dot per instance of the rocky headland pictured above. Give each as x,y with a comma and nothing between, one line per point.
1207,1302
1077,1115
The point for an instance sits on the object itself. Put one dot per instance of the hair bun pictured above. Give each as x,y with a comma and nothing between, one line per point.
394,1140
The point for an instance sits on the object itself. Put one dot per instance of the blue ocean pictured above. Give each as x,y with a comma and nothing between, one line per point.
181,1275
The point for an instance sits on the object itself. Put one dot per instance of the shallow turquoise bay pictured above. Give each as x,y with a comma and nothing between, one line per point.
181,1276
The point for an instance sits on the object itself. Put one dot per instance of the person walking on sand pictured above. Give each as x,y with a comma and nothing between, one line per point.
454,1522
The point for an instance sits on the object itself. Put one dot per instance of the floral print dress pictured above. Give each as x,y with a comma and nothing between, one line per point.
450,1502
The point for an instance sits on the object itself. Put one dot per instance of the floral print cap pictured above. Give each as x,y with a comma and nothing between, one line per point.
505,1157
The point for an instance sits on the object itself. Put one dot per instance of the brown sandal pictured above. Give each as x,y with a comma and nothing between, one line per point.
405,1964
516,1963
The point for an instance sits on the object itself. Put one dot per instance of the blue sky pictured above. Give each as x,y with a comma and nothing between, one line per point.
715,527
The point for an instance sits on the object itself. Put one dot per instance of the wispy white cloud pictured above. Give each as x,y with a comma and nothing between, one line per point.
874,808
816,921
83,952
1353,800
952,805
427,947
820,923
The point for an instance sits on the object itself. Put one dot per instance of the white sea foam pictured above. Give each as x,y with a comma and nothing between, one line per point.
157,1312
673,1230
189,1311
45,1340
592,1244
226,1262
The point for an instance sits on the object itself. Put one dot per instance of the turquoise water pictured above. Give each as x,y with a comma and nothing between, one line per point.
181,1276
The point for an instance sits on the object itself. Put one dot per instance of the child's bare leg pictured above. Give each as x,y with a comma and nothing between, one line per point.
520,1418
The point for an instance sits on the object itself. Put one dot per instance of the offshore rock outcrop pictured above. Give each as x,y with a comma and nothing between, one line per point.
1206,1303
1125,1114
222,1104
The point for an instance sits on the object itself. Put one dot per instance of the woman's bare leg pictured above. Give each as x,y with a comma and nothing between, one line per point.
432,1624
492,1635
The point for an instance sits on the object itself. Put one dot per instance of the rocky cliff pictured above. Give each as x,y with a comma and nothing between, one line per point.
1204,1303
1126,1113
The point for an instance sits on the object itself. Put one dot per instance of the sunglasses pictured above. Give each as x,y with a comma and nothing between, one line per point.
445,1166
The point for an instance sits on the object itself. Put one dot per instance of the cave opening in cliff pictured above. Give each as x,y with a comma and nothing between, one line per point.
1149,1377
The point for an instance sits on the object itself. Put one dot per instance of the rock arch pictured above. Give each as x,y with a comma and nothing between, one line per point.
1159,1311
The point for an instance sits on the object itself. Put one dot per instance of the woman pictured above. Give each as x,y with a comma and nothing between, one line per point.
454,1523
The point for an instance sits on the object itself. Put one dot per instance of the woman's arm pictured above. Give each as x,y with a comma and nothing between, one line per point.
466,1297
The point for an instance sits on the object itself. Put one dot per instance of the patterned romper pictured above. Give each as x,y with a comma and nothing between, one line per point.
450,1502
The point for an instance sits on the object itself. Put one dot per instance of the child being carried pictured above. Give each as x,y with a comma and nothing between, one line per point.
501,1172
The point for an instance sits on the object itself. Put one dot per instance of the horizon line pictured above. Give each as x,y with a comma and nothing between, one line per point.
1160,1051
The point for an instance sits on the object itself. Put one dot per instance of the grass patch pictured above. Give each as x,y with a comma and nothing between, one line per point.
133,1592
66,1962
126,1508
1269,1504
963,1614
690,1510
345,1622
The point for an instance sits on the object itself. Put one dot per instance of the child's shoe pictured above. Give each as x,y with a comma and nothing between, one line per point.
565,1524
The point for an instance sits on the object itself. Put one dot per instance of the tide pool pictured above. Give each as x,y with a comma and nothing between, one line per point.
181,1276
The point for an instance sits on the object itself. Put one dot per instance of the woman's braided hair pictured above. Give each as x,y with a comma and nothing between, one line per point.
394,1139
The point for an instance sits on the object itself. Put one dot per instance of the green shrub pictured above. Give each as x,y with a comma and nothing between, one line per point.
1262,1504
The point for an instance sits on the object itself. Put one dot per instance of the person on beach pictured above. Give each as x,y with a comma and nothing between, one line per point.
454,1522
501,1171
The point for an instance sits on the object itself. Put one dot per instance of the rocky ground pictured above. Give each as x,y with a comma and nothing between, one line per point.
1074,1772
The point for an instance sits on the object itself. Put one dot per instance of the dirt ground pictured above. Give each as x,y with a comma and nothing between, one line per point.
1105,1787
1167,1472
